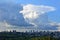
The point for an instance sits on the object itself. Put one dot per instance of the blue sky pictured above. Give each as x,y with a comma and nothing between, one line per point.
53,16
9,12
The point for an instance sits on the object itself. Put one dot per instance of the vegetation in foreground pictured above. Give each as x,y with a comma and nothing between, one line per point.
27,36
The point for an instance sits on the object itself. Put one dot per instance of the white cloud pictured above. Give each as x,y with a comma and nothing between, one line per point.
4,26
32,12
52,23
58,26
55,24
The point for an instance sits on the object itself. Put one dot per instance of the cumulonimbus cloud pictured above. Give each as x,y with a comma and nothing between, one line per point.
33,12
30,10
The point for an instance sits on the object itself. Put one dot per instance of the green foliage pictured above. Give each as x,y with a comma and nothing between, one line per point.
13,36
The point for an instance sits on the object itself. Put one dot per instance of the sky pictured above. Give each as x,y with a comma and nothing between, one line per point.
53,16
11,18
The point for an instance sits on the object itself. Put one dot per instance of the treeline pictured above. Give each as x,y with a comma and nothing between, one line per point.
26,36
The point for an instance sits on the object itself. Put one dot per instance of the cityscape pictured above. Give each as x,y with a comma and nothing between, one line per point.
31,35
29,19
